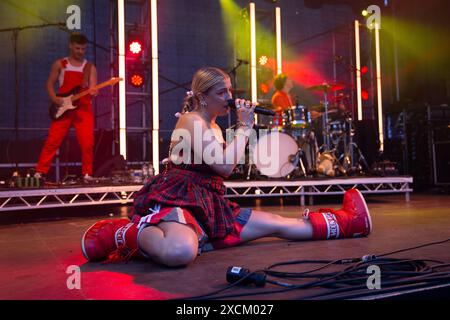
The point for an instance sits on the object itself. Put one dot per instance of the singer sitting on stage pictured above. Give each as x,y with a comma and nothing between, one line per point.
182,211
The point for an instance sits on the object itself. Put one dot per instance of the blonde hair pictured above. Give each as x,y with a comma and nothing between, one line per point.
203,80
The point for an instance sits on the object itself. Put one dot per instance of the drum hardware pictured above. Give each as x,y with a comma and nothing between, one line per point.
325,88
297,117
289,147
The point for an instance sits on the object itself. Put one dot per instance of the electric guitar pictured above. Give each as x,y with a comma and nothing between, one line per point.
57,110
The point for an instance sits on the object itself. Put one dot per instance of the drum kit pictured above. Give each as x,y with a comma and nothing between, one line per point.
289,146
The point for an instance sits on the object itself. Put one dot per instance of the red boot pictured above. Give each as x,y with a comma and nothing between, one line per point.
352,220
112,240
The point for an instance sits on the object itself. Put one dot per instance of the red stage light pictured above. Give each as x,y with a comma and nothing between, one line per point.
264,88
364,95
364,69
136,80
135,47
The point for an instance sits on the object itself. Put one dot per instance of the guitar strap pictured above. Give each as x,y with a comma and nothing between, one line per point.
86,74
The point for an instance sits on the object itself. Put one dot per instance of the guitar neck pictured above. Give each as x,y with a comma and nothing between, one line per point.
90,90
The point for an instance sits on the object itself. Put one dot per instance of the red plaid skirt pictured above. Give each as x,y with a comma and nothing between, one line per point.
201,194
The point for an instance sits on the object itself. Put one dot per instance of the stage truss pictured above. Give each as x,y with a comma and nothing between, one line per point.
13,200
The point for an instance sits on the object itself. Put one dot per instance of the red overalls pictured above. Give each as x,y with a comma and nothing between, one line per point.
82,118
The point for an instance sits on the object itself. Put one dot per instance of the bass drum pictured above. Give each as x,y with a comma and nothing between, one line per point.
273,154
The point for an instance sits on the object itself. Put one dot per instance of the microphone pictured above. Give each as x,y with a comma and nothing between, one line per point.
242,61
258,109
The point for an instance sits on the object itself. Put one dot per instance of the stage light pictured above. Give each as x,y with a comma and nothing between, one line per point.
263,60
253,81
135,47
135,67
278,37
364,95
264,88
121,58
379,95
136,79
364,13
155,84
364,69
358,71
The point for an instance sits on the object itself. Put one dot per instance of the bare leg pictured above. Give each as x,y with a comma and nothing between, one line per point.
263,224
169,243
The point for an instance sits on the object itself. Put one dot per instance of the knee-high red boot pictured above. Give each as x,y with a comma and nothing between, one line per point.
113,240
352,220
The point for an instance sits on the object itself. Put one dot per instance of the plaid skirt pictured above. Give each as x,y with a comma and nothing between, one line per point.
201,194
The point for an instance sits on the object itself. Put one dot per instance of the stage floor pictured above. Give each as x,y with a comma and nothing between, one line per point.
35,256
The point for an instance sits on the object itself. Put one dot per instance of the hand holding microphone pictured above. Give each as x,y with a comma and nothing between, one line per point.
257,109
245,112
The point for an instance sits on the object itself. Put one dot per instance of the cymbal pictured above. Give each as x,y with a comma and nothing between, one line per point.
325,87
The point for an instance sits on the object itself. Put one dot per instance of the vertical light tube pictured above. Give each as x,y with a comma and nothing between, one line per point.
254,95
155,85
278,37
122,97
358,71
379,96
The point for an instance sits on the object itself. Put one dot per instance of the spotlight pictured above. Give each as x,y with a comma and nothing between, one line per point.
135,47
136,80
263,60
264,88
364,13
364,95
136,75
364,69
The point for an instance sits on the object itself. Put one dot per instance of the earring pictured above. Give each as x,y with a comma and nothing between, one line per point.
203,103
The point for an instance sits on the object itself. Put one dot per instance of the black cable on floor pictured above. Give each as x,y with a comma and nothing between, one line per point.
393,272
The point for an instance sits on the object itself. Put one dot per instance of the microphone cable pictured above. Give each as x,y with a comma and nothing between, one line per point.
353,278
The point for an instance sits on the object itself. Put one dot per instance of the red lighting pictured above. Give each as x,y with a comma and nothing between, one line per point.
264,88
135,47
136,80
364,70
364,95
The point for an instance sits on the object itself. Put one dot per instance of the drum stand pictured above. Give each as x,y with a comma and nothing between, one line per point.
325,133
297,159
361,157
349,163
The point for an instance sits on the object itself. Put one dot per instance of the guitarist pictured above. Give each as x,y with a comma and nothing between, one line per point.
71,72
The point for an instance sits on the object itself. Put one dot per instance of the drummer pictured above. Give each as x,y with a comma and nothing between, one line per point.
281,100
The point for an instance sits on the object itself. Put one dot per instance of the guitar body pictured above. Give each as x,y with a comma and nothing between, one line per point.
56,111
